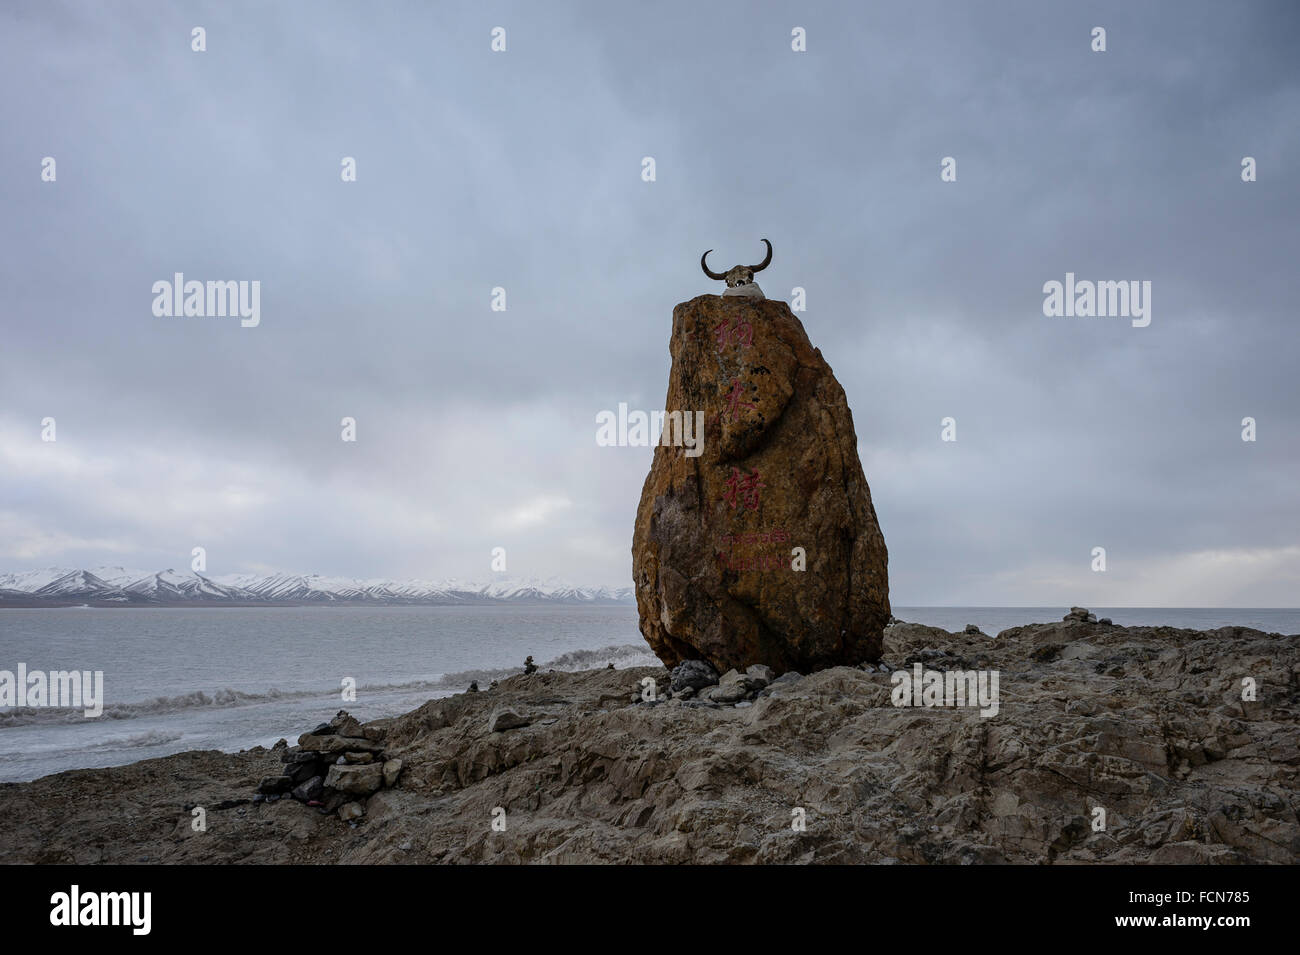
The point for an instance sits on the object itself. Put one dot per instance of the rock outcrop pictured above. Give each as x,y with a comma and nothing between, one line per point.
764,547
1146,724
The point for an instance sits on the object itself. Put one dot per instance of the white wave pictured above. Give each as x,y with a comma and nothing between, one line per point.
151,738
620,656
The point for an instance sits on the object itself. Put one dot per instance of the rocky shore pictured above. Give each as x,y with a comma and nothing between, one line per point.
1109,744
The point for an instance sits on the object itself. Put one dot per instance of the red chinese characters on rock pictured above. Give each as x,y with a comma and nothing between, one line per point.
729,560
743,489
776,536
734,331
758,562
735,398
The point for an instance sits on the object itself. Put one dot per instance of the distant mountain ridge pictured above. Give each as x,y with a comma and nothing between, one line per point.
118,585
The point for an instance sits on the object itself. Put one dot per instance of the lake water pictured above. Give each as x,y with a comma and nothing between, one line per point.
233,677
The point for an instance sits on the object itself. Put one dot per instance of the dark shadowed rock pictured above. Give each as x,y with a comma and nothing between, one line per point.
336,745
274,785
713,551
301,772
693,675
309,789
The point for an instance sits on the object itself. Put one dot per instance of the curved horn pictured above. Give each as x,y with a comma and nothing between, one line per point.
716,276
766,262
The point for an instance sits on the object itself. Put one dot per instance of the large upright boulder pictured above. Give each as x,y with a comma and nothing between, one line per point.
714,550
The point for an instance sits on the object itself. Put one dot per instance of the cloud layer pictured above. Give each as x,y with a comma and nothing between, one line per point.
522,170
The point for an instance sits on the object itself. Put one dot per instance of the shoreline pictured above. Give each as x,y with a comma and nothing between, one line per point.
1146,724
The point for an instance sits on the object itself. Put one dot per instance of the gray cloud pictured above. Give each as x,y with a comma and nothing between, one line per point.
522,169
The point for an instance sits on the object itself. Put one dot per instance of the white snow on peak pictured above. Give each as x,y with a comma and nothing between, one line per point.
123,584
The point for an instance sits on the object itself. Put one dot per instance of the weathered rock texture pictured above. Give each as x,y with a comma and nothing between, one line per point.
1146,723
712,550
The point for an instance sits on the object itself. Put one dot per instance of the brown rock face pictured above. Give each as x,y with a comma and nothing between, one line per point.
715,545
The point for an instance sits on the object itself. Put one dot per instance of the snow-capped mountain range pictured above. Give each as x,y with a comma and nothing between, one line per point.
117,585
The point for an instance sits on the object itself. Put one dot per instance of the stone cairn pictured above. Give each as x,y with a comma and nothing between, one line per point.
333,767
696,683
1084,615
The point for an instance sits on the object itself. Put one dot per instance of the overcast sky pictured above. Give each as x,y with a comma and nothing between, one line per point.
523,169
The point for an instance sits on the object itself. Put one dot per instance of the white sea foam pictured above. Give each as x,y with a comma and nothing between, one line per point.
226,698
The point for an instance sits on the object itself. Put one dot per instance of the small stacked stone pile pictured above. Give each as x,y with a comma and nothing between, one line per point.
334,766
1083,615
696,683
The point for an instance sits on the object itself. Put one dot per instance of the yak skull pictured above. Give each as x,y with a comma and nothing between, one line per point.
740,274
